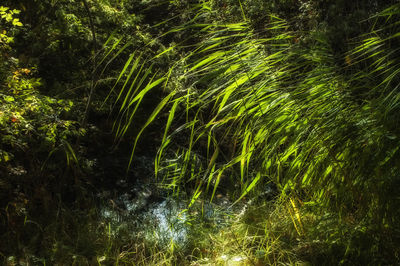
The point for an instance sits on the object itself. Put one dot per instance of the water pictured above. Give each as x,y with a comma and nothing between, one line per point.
139,209
162,221
170,218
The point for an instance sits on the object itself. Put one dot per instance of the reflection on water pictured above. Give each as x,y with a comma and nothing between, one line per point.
161,221
170,219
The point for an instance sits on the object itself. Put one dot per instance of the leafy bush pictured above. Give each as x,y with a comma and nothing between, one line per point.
34,145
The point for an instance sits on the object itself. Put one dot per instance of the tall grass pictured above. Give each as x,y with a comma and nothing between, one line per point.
248,108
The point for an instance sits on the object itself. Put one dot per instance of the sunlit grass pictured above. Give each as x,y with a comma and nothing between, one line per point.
247,108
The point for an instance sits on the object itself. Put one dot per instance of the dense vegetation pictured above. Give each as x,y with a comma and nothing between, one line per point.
288,110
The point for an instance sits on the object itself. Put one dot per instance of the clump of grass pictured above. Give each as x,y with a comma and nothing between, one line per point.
255,107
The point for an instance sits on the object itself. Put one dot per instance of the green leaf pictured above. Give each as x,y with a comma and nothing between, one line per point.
3,9
8,17
8,98
16,22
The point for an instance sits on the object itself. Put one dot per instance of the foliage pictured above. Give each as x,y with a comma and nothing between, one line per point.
8,15
35,139
286,106
47,156
286,109
28,117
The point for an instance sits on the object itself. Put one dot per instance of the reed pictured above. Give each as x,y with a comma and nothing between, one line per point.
248,107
